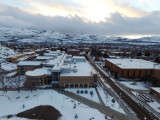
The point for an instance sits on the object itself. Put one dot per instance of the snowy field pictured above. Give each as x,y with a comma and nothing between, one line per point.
138,86
93,97
14,104
155,105
6,52
107,99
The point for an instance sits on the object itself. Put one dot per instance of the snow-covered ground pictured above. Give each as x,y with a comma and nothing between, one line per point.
8,66
155,105
65,105
107,99
15,118
137,86
93,97
6,52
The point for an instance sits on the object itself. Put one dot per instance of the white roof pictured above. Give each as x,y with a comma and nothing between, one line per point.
83,69
29,63
50,54
39,72
43,57
53,62
78,57
73,50
132,63
156,89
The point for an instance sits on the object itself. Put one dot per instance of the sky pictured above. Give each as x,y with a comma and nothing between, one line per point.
104,17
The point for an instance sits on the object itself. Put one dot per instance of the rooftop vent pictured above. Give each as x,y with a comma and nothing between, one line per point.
74,69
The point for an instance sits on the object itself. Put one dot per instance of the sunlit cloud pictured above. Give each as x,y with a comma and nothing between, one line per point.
89,10
107,17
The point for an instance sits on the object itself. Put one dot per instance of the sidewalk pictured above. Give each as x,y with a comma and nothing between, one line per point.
103,109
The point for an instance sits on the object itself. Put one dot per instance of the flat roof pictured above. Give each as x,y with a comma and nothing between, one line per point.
29,63
132,63
157,89
50,54
83,69
43,57
39,72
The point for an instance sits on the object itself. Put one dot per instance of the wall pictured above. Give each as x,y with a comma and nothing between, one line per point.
128,73
76,80
22,69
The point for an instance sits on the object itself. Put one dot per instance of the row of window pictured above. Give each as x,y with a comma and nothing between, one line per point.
73,80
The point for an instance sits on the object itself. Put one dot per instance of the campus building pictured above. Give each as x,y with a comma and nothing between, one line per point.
73,52
24,66
62,70
132,68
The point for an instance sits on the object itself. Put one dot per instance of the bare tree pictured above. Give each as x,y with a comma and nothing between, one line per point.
17,82
4,82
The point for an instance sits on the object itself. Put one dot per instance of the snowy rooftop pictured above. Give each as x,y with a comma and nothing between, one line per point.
83,69
55,52
51,62
50,54
73,50
43,57
132,63
29,63
39,72
156,89
29,53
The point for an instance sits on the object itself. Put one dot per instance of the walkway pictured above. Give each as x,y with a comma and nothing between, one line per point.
103,109
100,99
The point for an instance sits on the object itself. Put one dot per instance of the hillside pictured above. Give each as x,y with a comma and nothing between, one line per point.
31,36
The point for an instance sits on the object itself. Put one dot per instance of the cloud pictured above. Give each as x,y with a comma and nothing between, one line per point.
92,10
116,24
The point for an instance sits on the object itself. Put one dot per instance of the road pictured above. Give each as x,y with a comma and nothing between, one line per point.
140,110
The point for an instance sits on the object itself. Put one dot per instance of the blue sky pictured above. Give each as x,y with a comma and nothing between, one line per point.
111,13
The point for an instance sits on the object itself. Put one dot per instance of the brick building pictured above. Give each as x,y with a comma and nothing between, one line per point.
73,52
24,66
131,68
64,71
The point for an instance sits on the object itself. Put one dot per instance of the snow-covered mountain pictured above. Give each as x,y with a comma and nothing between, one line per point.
31,36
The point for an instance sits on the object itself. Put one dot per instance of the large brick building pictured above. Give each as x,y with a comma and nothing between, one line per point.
24,66
132,68
63,70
